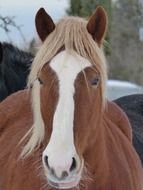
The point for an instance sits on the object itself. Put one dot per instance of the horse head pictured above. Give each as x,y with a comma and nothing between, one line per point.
67,82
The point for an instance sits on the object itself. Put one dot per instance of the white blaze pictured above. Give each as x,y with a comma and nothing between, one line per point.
61,149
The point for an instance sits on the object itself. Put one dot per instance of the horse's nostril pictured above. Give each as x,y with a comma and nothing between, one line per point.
46,161
52,172
74,164
64,174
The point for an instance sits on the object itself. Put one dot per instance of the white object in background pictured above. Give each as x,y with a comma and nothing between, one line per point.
116,89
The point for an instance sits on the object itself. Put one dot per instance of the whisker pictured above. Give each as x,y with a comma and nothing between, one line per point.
86,177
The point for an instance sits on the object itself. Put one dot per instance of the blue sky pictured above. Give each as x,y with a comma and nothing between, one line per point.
24,12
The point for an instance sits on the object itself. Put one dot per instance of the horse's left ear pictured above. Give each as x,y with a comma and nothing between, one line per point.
97,25
44,24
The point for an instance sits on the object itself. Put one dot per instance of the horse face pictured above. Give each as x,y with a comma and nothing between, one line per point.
67,94
66,88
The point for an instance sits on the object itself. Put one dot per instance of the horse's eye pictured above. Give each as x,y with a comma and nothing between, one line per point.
41,82
95,81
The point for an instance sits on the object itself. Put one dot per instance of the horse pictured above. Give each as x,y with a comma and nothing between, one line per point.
133,107
62,132
14,69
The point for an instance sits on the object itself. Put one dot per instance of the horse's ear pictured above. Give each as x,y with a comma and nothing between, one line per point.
97,25
1,52
44,24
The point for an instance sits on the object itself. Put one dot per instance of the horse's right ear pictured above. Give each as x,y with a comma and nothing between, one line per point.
44,24
97,25
1,52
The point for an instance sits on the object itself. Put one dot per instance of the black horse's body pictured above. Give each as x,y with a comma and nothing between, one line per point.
14,68
133,107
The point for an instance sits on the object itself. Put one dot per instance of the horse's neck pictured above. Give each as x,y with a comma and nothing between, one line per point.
14,106
117,116
112,157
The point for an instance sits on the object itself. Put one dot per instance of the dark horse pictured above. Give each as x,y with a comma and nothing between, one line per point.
133,107
14,68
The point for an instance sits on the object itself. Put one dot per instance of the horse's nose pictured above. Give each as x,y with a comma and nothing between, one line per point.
61,170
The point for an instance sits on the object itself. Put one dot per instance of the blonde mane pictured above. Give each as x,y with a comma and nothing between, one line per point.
72,35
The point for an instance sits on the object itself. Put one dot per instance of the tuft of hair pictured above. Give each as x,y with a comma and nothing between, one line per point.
72,35
37,131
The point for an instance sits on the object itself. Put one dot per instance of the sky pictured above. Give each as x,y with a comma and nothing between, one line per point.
25,11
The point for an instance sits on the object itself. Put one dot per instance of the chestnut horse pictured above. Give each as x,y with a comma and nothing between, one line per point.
61,132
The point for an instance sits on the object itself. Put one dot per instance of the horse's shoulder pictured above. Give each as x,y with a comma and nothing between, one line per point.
17,99
119,117
13,107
